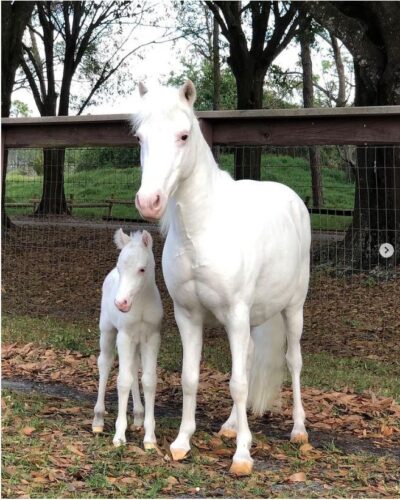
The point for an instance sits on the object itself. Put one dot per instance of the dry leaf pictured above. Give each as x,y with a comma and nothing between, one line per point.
75,450
28,430
298,477
171,480
306,448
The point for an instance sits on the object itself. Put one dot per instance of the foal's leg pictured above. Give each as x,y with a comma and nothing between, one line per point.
149,349
293,318
229,428
191,330
238,329
138,410
126,353
104,363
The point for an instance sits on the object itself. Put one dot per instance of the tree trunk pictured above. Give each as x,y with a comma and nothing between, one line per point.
376,218
216,66
53,197
14,18
341,95
308,102
249,96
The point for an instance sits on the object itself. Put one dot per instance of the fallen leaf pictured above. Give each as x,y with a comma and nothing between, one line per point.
75,450
306,448
298,477
28,430
171,480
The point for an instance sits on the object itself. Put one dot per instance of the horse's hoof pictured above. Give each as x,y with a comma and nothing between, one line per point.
97,429
178,454
300,438
241,468
150,446
228,433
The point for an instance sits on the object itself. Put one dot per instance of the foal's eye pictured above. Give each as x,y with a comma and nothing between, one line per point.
142,270
184,137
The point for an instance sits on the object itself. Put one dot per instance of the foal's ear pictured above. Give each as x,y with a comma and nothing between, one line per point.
147,239
142,89
121,239
188,92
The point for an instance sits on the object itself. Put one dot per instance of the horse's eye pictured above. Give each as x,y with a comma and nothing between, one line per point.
142,270
184,137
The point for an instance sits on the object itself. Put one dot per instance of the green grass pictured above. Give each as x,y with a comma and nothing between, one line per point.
98,185
322,370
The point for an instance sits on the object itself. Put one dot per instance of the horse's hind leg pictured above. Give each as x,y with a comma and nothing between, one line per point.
238,330
138,410
293,318
229,428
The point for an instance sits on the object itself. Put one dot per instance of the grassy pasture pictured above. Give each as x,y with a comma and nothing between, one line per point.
99,184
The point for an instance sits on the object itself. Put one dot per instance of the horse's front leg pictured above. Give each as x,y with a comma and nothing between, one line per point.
229,428
238,329
126,352
191,330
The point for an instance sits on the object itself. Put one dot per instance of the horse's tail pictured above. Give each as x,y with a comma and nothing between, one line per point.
268,365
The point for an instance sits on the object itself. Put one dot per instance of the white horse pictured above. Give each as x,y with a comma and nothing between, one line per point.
131,313
236,252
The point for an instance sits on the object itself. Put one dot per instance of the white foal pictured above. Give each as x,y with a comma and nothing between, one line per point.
236,252
131,313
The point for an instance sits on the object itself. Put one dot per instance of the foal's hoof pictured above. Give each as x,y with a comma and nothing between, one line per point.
136,428
300,438
228,433
97,429
241,468
178,454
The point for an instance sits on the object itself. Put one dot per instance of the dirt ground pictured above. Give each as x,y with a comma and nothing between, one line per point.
57,269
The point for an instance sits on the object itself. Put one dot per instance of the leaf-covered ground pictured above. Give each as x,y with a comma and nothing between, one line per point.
49,450
51,288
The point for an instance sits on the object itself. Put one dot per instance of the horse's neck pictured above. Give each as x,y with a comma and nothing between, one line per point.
193,200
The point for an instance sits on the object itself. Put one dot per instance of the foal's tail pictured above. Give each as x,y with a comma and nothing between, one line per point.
267,366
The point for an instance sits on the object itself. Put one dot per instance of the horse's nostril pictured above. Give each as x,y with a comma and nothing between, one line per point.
156,202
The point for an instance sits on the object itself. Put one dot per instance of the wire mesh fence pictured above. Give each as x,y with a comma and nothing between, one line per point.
66,203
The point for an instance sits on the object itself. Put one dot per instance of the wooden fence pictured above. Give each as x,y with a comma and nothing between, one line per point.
283,127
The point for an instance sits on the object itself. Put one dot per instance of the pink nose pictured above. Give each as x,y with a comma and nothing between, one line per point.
152,206
122,305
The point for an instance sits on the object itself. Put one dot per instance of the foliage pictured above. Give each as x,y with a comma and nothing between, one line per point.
202,77
19,109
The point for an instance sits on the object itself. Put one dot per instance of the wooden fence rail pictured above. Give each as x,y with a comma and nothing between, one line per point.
284,127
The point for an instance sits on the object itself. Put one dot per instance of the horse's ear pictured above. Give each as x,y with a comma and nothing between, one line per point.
147,239
188,92
142,89
121,239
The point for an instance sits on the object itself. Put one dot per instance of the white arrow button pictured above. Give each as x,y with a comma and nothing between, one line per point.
386,250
